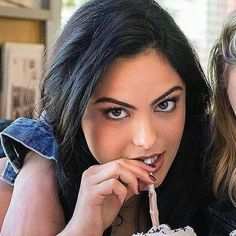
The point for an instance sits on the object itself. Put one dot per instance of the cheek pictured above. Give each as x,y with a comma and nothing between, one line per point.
171,135
104,141
173,131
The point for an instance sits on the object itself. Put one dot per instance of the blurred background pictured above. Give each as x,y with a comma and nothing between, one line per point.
200,20
28,27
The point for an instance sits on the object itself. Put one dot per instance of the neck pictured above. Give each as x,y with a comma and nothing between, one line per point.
126,222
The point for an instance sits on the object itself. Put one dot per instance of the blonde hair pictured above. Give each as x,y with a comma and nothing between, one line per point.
222,59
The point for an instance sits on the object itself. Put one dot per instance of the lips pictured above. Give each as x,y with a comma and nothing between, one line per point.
155,159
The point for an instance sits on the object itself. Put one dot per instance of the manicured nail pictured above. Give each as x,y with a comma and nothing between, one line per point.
152,177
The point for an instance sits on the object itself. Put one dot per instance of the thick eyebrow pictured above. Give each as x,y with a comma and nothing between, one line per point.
112,100
175,88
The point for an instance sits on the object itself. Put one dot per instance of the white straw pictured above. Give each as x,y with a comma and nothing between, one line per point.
154,213
153,210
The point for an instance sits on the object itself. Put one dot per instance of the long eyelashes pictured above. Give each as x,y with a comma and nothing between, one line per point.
117,113
167,105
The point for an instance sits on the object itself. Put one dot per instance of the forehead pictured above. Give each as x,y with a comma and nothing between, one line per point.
148,71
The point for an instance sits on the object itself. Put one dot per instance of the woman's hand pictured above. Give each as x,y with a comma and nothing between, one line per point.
103,190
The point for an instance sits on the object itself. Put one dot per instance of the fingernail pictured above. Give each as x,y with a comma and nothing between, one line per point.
152,177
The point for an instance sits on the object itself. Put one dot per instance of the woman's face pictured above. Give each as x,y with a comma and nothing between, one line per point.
137,110
232,89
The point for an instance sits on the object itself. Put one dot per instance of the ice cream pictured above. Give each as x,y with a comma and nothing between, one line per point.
165,230
159,230
233,233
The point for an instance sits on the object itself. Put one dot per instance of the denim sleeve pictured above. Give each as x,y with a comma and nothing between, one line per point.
2,153
8,175
21,136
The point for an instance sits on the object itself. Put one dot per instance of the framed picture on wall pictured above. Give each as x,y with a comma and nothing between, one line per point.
21,3
21,74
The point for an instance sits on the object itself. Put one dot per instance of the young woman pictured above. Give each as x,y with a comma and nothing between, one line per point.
124,85
223,74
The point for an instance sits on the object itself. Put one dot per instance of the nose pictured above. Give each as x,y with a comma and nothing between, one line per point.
144,134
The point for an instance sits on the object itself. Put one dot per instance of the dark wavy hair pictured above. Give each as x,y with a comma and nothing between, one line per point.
97,34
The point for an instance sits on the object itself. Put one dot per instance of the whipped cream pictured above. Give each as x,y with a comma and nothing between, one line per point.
165,230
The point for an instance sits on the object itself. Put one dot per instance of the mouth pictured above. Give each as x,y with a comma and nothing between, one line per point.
155,159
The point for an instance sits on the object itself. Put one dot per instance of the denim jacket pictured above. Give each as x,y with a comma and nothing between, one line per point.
223,217
21,136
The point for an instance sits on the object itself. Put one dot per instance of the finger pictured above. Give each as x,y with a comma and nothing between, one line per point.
140,169
125,162
139,163
109,187
119,172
